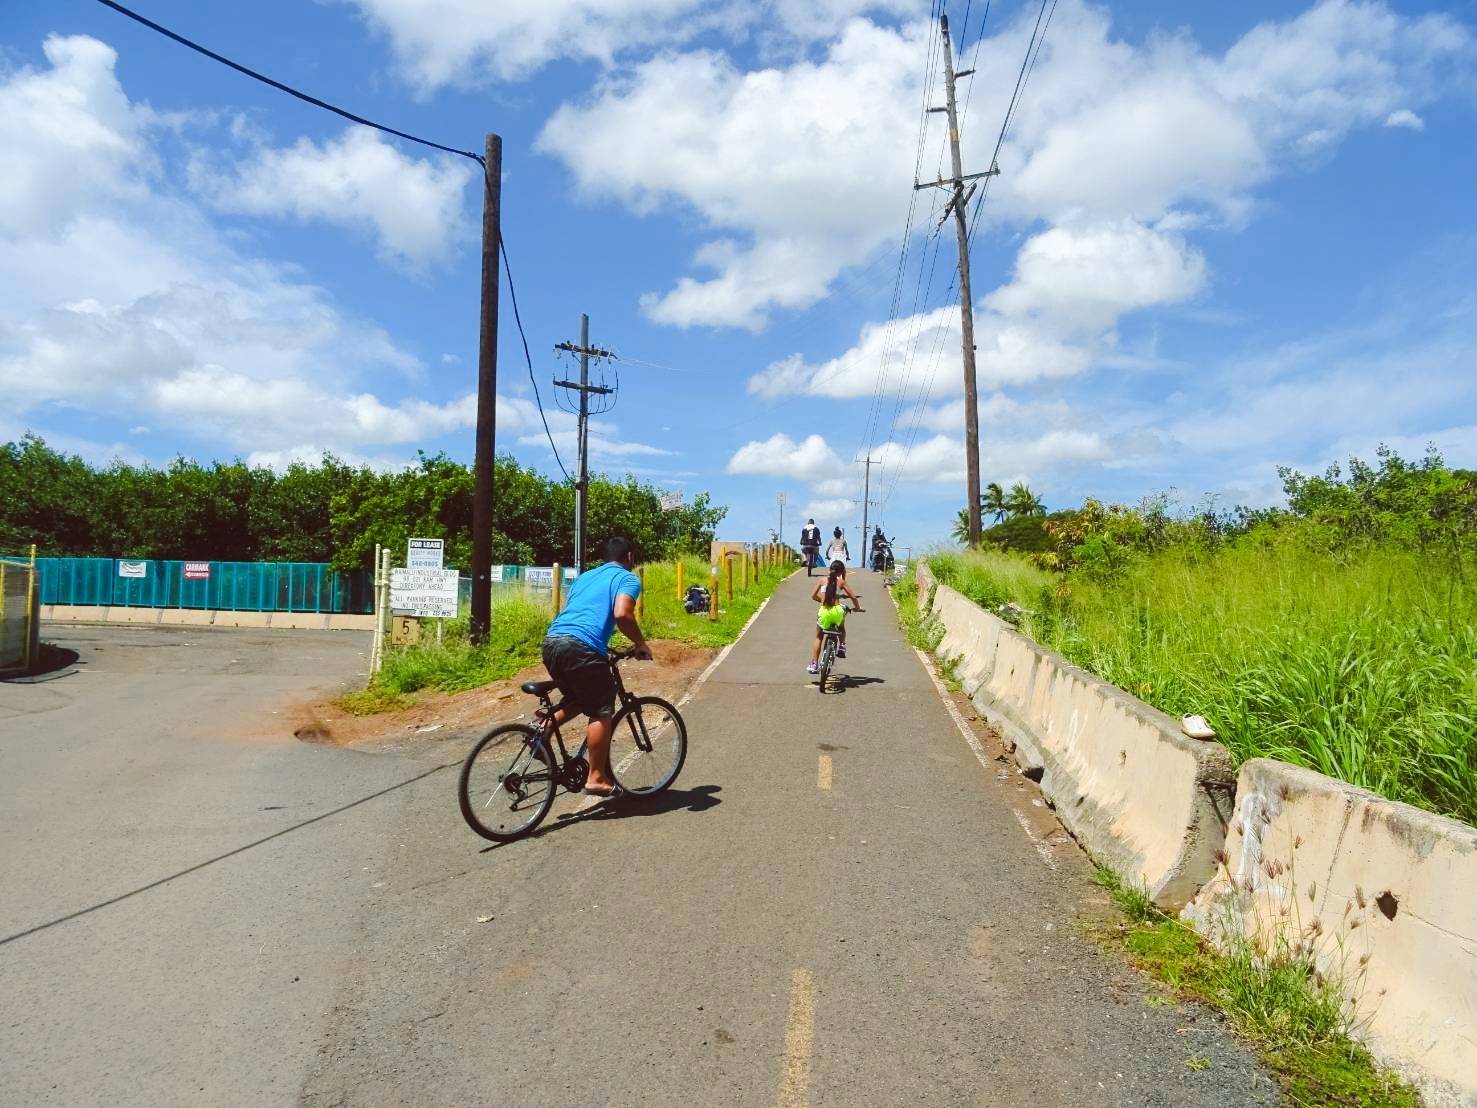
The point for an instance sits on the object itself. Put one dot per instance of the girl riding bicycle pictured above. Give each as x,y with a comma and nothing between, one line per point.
832,614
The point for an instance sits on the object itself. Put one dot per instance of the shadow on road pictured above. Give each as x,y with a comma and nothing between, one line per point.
698,799
841,682
228,854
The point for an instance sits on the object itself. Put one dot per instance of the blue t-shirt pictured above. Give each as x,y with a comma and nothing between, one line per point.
590,614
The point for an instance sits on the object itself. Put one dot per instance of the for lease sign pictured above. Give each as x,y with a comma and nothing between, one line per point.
425,553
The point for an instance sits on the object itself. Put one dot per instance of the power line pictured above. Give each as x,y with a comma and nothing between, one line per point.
527,357
303,96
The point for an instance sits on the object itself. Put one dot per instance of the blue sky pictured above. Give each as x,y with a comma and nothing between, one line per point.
1216,246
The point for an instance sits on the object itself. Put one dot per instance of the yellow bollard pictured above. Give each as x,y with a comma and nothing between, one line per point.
713,597
641,600
679,580
558,592
30,610
744,572
728,577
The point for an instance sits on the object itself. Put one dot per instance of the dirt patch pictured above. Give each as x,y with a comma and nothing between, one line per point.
438,715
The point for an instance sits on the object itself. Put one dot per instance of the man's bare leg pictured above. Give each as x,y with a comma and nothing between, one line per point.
597,751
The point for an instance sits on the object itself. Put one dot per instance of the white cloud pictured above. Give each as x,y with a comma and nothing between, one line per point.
806,162
413,206
70,137
829,509
781,456
1405,118
799,170
122,300
465,42
1055,318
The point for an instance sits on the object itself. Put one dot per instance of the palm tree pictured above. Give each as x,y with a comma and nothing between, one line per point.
994,502
960,534
1021,501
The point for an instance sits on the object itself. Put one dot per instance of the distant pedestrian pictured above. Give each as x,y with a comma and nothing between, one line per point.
810,544
837,550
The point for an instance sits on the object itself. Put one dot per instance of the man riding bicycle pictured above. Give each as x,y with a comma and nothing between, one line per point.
577,651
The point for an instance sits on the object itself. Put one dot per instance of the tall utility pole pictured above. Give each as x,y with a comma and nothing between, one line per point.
780,500
966,303
584,388
486,447
866,501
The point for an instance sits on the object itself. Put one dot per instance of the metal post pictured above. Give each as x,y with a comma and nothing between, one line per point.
713,597
781,499
866,500
558,590
486,451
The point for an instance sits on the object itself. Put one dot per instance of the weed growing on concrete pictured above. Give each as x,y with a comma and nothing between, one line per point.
1273,992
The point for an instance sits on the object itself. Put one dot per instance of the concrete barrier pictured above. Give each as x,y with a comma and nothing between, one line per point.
1138,794
1385,894
203,617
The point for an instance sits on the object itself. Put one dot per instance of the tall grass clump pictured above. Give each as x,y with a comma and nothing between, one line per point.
993,579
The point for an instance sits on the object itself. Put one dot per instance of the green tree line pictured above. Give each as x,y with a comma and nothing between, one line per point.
328,511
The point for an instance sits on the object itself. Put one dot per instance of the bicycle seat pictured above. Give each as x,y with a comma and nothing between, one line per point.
539,688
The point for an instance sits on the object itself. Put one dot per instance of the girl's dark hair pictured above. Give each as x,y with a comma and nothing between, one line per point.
836,533
838,569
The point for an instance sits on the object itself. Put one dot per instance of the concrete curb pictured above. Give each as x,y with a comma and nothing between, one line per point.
1393,891
202,617
1140,796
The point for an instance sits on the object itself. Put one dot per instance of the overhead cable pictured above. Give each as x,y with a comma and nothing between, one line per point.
527,357
264,79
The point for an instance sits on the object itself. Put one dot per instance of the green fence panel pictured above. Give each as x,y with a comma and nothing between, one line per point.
231,586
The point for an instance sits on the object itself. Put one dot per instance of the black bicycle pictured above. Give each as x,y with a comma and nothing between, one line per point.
509,779
830,642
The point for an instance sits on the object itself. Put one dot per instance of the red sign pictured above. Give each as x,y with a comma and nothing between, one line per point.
197,571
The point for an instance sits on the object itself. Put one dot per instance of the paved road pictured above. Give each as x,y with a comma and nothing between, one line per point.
837,905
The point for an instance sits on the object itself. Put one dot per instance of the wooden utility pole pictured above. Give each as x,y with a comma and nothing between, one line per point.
584,388
486,450
864,545
957,204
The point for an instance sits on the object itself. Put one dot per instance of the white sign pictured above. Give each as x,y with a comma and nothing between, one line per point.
133,569
671,501
542,577
424,592
425,553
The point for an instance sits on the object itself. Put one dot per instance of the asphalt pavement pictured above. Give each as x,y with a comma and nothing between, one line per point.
838,903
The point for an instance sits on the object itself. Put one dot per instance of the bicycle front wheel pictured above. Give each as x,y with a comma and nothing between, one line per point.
648,744
506,785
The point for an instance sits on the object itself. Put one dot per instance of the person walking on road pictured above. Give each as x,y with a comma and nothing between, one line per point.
810,544
577,651
836,550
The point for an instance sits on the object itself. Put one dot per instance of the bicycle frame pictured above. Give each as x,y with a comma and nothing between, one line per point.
622,695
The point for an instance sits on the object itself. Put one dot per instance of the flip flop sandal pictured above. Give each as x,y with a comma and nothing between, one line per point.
614,794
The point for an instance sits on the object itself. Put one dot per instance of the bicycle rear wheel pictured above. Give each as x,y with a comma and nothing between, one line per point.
828,659
506,785
648,744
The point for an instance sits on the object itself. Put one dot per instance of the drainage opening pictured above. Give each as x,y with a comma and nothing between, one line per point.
1388,903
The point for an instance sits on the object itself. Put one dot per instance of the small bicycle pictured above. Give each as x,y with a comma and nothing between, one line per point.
830,641
509,779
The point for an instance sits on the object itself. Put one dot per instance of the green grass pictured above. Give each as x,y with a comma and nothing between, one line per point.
1362,667
1295,1018
519,621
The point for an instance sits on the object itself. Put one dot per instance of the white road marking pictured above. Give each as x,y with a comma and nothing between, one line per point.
979,752
823,773
1042,847
590,801
799,1041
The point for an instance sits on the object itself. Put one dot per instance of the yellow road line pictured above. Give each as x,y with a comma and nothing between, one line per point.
823,773
799,1041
